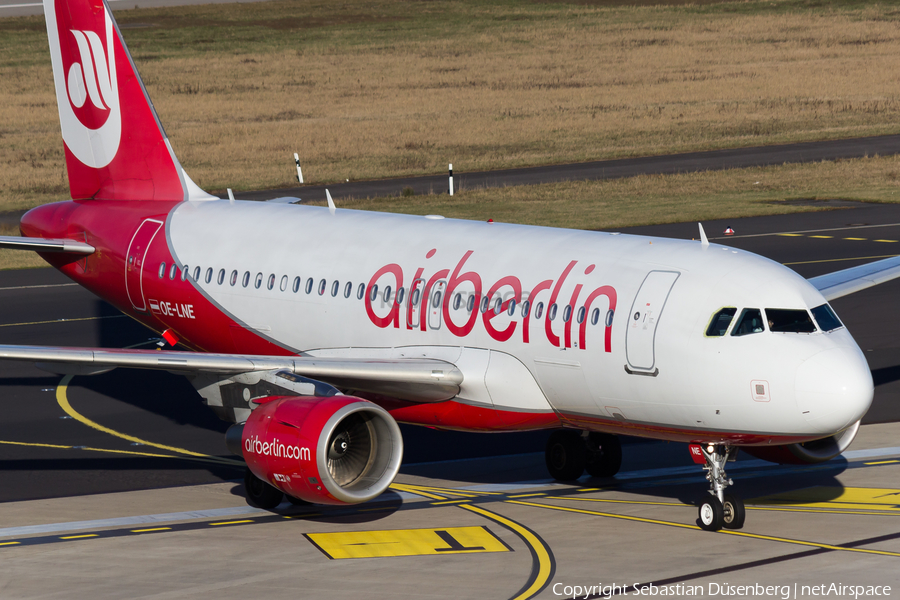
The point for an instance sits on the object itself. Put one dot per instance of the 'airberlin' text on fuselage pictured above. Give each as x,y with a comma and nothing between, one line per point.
424,306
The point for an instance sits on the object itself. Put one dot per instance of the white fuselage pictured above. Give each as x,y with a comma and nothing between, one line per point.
638,353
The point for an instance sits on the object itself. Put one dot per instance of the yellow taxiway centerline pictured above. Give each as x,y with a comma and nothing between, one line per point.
62,399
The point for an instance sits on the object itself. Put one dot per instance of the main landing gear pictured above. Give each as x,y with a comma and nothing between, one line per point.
263,495
719,509
260,493
569,453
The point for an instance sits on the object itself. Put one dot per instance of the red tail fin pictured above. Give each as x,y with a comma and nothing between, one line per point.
116,148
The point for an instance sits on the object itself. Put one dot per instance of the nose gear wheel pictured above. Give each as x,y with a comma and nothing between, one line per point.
720,509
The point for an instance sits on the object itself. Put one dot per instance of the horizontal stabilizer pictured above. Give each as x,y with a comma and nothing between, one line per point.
848,281
44,245
423,380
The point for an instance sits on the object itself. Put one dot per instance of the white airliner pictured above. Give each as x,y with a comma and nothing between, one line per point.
316,329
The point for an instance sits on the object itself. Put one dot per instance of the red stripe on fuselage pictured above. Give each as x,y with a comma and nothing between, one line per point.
678,434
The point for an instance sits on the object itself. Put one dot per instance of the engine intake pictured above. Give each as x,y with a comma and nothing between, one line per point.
335,450
807,453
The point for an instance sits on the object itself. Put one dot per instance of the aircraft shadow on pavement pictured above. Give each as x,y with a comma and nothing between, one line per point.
165,394
389,501
748,484
886,375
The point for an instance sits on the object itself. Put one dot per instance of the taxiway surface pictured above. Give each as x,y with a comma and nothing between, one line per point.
470,516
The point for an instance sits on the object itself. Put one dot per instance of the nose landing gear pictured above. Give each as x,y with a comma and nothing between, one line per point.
719,509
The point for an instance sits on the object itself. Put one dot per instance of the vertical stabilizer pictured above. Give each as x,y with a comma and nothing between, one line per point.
116,148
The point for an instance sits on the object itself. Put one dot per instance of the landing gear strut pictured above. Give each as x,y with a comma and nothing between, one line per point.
719,509
260,493
570,452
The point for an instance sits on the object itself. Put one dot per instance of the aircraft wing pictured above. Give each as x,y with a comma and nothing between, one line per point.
45,245
419,379
848,281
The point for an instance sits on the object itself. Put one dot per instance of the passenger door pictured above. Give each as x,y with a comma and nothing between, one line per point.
134,261
647,309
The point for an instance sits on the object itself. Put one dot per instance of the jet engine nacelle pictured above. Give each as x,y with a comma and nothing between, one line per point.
807,453
335,450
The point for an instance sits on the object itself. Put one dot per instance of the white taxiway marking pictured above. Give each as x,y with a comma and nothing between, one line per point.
805,231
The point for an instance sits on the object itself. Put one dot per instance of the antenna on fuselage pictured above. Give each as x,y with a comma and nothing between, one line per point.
230,196
331,206
704,241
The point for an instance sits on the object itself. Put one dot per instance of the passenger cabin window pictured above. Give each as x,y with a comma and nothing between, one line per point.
826,319
361,291
270,283
283,285
296,285
233,279
245,281
749,322
162,270
785,320
209,272
220,277
196,273
720,321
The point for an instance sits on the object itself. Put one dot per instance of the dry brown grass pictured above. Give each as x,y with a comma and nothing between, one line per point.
369,89
651,199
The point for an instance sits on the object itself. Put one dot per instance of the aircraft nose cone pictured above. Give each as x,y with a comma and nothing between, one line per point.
834,388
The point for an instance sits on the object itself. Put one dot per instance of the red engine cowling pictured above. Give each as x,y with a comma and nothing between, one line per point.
807,453
335,450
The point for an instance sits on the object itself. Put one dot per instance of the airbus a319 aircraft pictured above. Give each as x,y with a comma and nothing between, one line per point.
316,329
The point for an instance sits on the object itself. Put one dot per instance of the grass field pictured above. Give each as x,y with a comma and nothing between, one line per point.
375,88
369,89
651,199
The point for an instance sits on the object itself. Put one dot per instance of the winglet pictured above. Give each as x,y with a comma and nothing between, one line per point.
331,206
704,241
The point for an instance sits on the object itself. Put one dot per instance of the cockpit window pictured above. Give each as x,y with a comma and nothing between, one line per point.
784,320
825,317
720,321
749,322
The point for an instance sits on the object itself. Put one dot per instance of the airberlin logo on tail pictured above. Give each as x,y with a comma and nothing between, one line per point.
90,77
84,70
